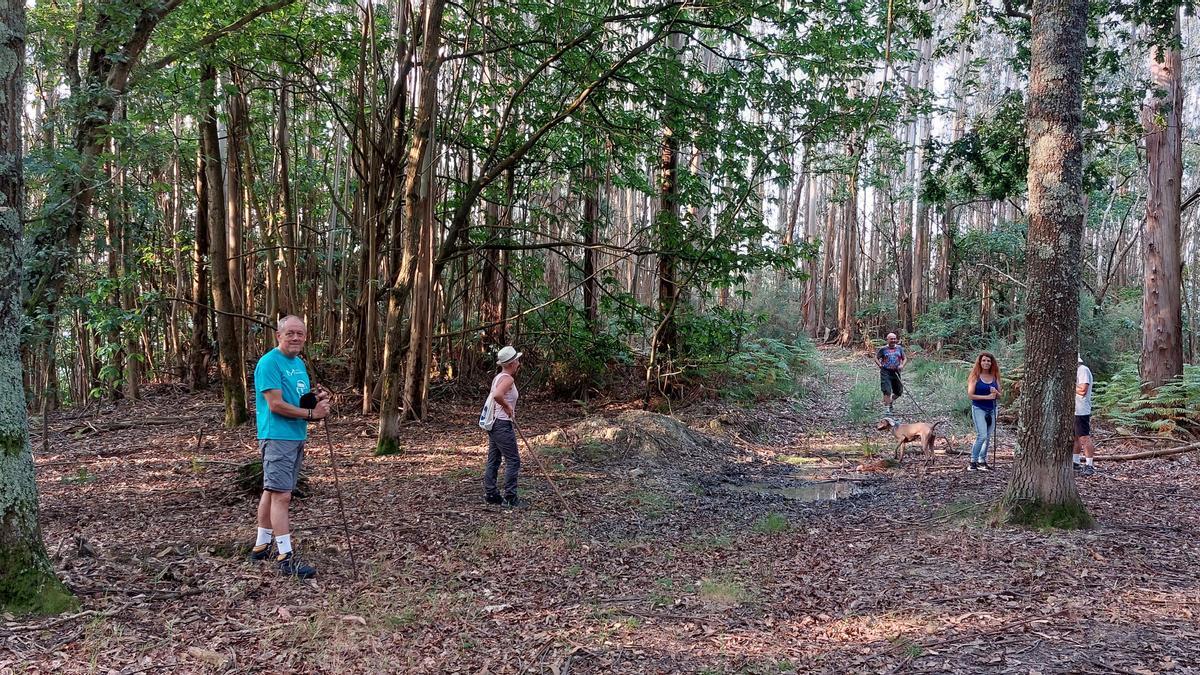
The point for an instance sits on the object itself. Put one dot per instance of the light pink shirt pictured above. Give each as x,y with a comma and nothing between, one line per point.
510,397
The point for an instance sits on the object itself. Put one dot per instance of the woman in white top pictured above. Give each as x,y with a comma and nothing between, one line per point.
502,440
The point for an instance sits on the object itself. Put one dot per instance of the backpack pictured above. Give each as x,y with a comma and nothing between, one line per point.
487,416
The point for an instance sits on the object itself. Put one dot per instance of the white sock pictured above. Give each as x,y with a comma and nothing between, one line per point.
264,536
1075,459
284,543
1091,461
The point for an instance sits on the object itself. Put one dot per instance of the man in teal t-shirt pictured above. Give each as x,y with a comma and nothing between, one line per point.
280,379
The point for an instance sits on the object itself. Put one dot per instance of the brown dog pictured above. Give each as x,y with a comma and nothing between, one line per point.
907,433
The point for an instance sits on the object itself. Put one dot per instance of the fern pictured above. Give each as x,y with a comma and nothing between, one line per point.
1172,408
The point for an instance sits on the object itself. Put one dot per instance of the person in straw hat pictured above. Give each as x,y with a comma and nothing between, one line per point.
502,440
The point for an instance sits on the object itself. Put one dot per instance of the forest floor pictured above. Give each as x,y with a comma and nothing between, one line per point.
706,561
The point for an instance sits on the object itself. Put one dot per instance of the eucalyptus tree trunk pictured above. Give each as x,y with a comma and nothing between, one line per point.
1041,490
668,231
848,272
285,211
233,372
920,207
591,238
812,232
1162,310
199,349
830,246
27,580
95,93
417,224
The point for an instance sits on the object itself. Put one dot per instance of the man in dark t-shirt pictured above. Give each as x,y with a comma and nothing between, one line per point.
891,360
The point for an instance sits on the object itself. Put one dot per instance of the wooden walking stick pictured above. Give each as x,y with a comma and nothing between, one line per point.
309,400
545,472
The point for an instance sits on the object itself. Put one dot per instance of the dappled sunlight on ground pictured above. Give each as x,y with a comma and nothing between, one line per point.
660,566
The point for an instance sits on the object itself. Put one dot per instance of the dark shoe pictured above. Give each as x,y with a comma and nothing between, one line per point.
493,499
1088,470
984,467
291,566
260,553
1077,466
974,466
513,502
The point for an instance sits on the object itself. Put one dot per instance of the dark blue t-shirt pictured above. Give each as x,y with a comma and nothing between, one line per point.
983,389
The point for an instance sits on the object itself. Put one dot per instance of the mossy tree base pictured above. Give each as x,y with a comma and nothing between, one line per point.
1042,515
388,446
28,585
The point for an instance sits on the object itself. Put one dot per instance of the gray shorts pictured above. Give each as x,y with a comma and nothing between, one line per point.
281,463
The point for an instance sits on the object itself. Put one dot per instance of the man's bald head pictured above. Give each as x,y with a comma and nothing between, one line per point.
291,334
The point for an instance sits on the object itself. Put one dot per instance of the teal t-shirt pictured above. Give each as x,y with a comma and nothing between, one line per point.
275,370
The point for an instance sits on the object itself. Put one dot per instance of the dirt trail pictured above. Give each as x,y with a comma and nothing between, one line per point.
671,564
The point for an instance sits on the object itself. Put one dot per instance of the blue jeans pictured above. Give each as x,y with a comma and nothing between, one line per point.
985,423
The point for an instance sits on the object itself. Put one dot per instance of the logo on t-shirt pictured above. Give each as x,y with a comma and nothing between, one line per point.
891,357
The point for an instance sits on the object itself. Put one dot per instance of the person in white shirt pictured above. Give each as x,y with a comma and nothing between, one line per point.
502,441
1083,421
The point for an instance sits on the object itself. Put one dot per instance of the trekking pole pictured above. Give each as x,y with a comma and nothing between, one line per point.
309,400
341,507
995,428
545,471
912,398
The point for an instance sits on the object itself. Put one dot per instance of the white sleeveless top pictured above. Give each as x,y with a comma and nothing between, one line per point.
510,397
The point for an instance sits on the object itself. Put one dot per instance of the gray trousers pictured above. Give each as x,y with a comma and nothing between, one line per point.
502,442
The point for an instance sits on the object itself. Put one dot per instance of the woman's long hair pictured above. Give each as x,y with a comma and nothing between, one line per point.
977,369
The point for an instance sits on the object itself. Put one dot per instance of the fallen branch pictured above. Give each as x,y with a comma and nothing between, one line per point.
1149,454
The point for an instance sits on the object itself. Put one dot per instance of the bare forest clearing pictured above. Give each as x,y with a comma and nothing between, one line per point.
663,563
637,336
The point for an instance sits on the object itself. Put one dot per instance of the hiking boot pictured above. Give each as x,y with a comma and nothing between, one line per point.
291,566
513,502
260,553
1088,470
984,467
493,499
974,466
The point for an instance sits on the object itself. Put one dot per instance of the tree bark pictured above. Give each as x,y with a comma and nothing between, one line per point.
1042,491
847,275
199,350
1162,310
233,373
27,580
416,219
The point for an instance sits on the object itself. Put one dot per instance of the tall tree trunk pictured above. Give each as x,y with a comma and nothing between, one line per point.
27,581
233,373
416,167
665,344
920,207
111,60
285,210
1162,310
848,275
591,237
1042,488
812,305
199,350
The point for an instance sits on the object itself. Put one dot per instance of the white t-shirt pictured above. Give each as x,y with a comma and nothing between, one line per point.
1083,404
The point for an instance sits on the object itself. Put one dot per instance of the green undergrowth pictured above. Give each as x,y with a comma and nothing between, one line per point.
1172,409
767,368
